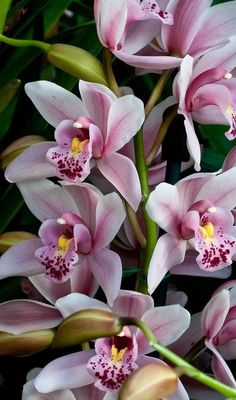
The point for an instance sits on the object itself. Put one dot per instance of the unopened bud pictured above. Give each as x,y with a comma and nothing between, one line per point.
8,239
7,92
77,62
150,382
25,343
86,325
17,147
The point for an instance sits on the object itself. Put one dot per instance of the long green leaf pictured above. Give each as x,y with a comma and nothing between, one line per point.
4,7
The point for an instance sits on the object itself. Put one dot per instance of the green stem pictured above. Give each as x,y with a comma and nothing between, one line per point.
135,225
185,367
25,43
110,77
195,350
156,93
161,135
151,233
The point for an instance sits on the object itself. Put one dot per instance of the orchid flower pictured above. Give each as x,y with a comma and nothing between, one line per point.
156,35
218,322
78,224
113,359
205,92
88,132
196,212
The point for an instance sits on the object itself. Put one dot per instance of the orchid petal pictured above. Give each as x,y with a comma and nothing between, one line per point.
53,102
187,21
82,238
220,367
30,393
46,199
190,268
66,372
192,141
126,116
163,207
228,349
98,100
19,260
86,197
190,337
110,21
110,214
217,25
167,323
18,316
220,190
121,172
75,302
155,63
168,252
82,280
214,313
89,392
50,290
132,304
107,270
31,164
176,297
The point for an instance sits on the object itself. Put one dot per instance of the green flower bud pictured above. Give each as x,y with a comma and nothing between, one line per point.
150,382
77,62
26,343
86,325
16,148
8,239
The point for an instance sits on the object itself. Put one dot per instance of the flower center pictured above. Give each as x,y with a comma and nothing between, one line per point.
77,145
116,355
207,230
63,243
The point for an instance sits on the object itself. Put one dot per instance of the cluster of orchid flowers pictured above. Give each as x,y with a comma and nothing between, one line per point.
97,219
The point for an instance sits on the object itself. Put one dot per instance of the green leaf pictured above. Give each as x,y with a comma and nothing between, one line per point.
14,201
4,7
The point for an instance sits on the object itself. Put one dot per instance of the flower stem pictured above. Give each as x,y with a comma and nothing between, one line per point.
25,43
107,62
156,93
185,367
135,225
195,350
151,233
161,135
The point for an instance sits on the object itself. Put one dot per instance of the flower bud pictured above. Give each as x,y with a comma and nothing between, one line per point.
8,239
77,62
150,382
86,325
7,92
16,148
26,343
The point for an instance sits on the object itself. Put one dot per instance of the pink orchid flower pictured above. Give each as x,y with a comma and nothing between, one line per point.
142,33
113,359
196,212
78,224
206,93
88,132
218,323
